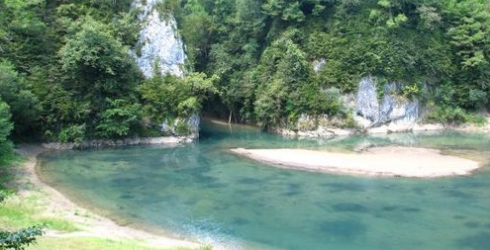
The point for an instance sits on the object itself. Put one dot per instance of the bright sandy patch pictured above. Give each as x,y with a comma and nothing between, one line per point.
382,161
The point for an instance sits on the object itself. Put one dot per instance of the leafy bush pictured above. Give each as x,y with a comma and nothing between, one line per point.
5,127
73,133
411,91
119,120
349,121
19,240
169,97
455,115
181,128
478,98
447,115
2,197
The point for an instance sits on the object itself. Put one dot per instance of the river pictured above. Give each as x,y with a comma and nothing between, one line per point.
203,192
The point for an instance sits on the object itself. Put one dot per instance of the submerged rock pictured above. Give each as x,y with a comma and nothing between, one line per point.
159,41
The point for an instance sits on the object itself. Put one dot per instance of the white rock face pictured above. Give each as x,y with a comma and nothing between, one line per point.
392,114
159,42
192,123
318,65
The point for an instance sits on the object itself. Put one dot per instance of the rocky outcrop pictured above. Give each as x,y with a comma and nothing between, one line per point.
373,112
166,140
158,41
315,127
191,124
393,113
319,64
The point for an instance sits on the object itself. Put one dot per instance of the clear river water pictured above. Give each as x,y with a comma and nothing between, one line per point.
204,193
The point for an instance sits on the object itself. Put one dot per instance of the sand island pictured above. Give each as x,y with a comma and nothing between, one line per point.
379,161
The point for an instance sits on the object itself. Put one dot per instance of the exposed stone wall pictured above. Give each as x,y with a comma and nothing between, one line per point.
158,41
192,123
392,113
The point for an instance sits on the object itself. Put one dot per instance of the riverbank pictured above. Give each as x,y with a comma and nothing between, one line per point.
391,161
328,132
86,225
169,140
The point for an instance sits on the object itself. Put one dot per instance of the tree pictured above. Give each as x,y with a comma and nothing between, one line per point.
15,92
470,38
100,68
119,119
294,10
430,16
169,97
284,73
6,127
98,63
198,33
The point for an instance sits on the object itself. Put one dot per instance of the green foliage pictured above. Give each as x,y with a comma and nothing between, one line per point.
270,104
429,16
66,74
15,92
72,133
283,73
292,10
100,69
263,51
411,91
98,62
181,128
6,127
166,97
19,240
453,115
119,119
447,115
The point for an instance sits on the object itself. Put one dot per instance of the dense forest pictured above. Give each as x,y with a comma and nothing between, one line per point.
66,73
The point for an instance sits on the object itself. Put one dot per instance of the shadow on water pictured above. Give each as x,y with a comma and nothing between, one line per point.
344,229
480,241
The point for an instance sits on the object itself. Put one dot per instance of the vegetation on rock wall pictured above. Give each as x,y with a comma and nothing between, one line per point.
263,51
66,74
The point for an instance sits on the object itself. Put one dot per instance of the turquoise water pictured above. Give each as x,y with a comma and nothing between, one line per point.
203,192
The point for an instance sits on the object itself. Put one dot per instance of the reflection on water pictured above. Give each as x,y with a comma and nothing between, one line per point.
202,191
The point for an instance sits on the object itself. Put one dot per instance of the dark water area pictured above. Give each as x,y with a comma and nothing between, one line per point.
203,192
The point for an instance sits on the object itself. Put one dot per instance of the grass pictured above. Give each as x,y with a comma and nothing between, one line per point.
18,211
88,243
6,175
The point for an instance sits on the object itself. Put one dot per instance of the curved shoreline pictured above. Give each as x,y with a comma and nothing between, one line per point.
382,161
57,204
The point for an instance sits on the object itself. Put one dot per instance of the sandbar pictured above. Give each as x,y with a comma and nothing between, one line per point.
394,161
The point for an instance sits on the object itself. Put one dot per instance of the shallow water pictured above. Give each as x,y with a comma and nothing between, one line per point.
203,192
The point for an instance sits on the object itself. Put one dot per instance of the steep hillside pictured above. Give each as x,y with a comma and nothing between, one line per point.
76,70
280,59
